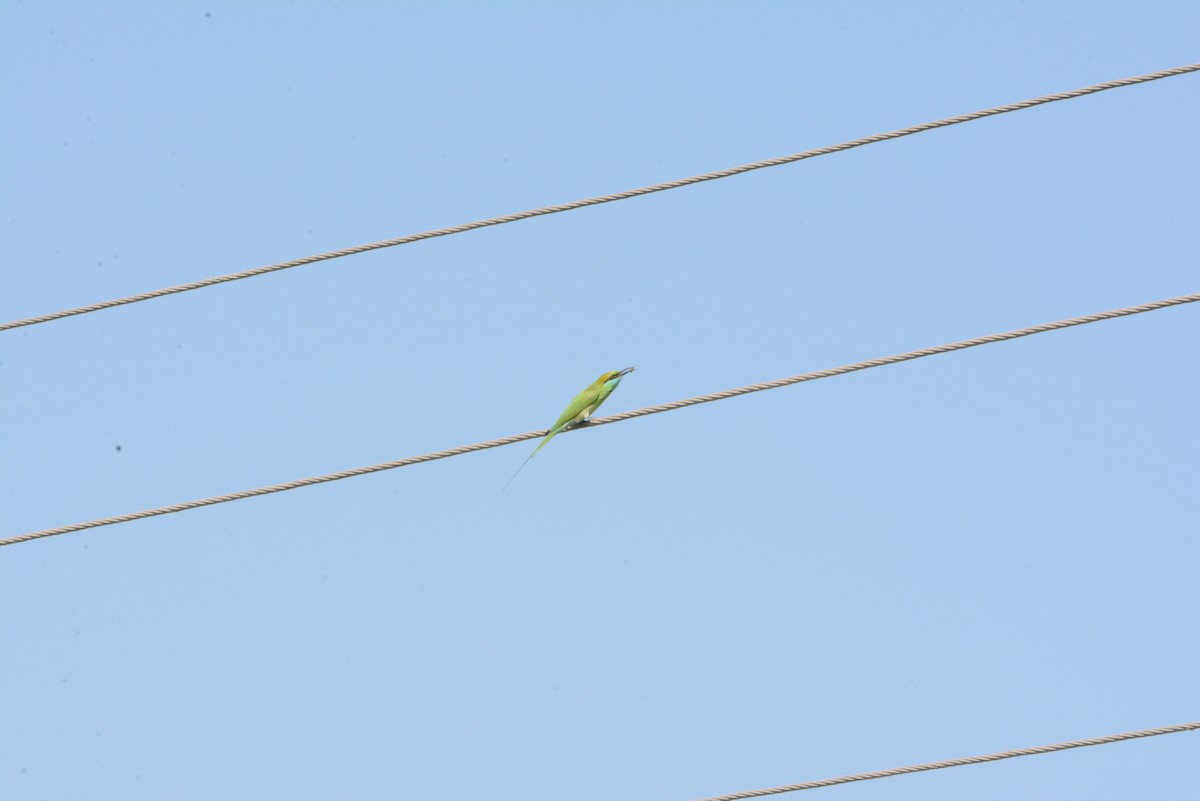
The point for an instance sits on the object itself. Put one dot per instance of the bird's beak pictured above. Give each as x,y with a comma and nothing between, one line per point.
626,371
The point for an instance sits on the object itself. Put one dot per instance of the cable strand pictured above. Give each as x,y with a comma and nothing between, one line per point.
592,201
953,763
616,418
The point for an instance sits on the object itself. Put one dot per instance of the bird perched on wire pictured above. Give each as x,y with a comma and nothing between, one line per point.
579,410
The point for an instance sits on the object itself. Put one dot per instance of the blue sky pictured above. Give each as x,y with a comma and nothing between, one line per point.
967,553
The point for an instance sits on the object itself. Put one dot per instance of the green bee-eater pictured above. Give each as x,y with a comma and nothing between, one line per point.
579,410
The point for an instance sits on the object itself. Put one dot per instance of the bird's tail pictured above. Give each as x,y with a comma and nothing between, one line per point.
519,469
541,445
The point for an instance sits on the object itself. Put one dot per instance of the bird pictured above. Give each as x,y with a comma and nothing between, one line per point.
579,410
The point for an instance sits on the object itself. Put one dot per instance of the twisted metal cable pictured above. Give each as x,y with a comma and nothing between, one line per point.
578,204
902,357
665,407
953,763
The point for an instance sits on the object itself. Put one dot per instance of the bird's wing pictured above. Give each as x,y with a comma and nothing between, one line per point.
576,410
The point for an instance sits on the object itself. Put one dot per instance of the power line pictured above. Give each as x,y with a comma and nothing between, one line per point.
954,763
578,204
666,407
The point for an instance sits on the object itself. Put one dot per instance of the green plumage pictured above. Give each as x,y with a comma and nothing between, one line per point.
579,409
